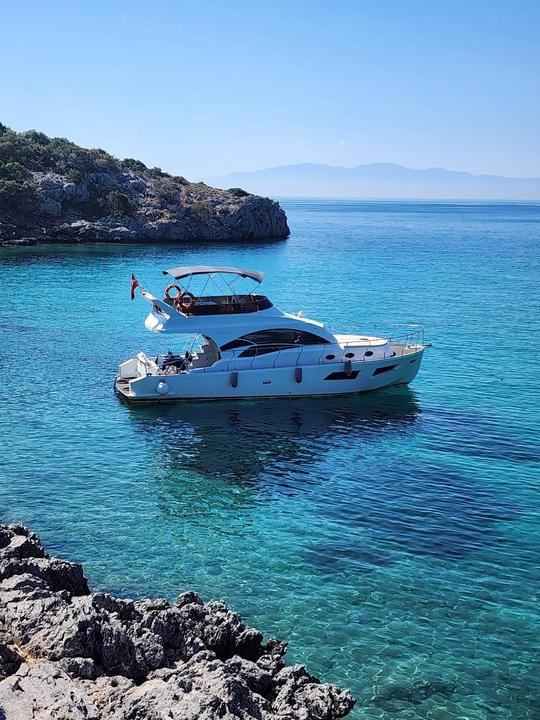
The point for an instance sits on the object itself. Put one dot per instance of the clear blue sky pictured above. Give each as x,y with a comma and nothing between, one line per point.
204,88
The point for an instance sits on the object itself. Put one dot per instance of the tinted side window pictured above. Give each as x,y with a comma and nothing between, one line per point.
285,337
255,351
233,344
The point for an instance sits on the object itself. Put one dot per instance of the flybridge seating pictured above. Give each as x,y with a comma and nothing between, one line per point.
222,304
181,298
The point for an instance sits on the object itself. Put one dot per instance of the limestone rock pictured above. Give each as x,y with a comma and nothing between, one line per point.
42,690
10,660
51,185
75,192
50,206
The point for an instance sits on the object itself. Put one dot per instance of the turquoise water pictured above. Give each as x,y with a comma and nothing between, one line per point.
392,538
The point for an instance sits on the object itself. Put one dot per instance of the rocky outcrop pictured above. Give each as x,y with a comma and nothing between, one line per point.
198,213
52,190
67,653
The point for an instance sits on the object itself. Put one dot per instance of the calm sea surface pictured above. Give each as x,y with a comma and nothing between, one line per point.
392,538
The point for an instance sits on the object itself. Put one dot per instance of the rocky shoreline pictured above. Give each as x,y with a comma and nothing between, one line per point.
224,218
68,653
53,191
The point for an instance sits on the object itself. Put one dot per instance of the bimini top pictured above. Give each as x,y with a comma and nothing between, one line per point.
181,272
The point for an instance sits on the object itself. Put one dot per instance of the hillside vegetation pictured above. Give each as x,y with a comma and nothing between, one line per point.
52,190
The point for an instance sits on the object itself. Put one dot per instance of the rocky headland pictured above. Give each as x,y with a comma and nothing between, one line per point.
68,653
53,191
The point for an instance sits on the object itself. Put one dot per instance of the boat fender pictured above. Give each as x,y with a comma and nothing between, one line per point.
298,374
234,379
162,388
348,368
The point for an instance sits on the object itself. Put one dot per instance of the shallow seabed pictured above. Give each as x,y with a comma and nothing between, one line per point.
393,538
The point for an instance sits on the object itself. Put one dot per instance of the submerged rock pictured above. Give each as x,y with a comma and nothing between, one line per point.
395,695
65,652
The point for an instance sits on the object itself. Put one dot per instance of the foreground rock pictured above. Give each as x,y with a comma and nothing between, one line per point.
52,190
66,653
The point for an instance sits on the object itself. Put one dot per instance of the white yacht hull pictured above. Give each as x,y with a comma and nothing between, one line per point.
290,381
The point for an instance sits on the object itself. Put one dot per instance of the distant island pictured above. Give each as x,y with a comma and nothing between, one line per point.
52,190
381,181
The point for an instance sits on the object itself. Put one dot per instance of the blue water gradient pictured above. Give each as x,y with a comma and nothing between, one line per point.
393,538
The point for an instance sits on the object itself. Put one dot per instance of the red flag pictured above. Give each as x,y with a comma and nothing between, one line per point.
134,284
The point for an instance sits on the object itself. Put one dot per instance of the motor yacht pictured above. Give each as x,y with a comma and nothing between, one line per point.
243,346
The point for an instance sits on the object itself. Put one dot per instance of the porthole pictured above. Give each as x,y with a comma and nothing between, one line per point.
330,357
349,355
368,353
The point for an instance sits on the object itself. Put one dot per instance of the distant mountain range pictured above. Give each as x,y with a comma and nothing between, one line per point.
380,180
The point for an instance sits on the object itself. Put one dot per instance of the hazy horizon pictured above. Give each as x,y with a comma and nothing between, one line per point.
353,165
380,181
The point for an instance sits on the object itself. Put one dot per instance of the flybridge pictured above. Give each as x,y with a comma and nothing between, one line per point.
223,315
218,294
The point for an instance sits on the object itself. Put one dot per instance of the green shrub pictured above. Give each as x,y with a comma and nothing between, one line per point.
14,148
19,197
133,165
75,176
238,192
36,137
167,189
119,204
35,151
13,171
201,209
86,161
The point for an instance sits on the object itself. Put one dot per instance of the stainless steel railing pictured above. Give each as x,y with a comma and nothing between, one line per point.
403,338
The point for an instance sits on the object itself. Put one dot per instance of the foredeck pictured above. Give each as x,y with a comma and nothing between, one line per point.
360,341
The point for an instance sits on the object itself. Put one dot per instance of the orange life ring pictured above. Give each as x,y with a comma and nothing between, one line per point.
168,295
187,300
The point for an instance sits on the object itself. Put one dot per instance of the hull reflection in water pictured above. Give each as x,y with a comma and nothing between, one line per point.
217,465
239,440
